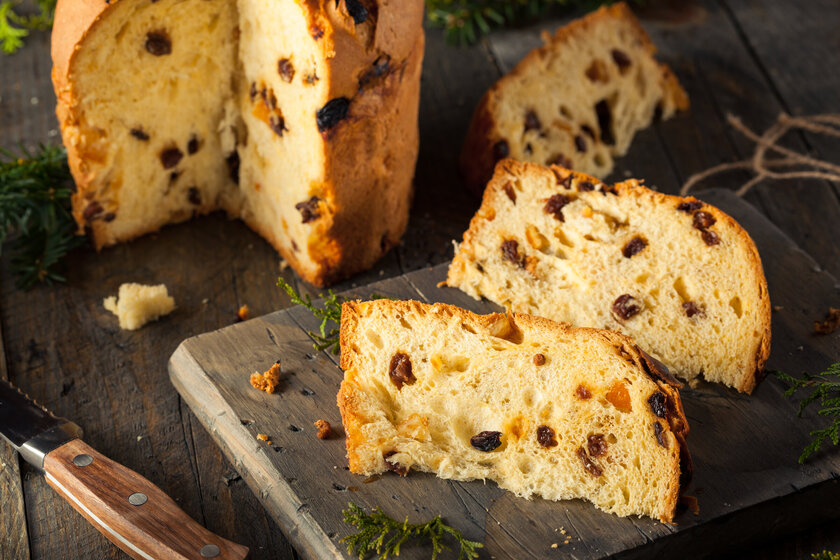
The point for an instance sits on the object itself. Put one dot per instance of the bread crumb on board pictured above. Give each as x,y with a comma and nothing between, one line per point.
324,429
268,381
137,304
264,437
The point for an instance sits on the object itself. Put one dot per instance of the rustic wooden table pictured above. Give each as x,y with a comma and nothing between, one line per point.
749,58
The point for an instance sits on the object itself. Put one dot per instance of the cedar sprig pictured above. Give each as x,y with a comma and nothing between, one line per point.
330,313
35,218
383,535
825,388
14,27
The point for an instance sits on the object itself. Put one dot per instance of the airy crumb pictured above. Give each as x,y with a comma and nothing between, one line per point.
268,381
830,324
136,304
243,312
554,545
324,429
264,437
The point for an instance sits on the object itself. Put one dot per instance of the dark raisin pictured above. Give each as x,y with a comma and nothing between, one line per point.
192,145
252,92
486,441
580,143
510,251
597,445
109,217
562,161
529,149
538,359
532,121
92,210
400,370
625,306
588,131
657,431
194,196
139,134
511,194
689,206
692,309
316,32
271,100
356,10
233,166
295,247
308,209
379,68
608,189
621,60
582,392
545,436
634,246
703,220
158,43
174,177
710,237
170,157
393,466
286,70
332,113
278,124
585,186
602,109
658,404
588,463
554,205
501,150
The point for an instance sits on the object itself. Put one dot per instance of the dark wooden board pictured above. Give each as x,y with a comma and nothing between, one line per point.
744,447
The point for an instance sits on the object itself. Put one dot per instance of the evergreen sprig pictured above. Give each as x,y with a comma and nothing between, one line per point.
383,535
14,27
329,313
825,555
825,388
35,216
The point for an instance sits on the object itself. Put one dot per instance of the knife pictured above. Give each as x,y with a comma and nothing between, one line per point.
130,511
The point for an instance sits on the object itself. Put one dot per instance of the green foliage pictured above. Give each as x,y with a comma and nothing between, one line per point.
380,534
329,313
825,555
14,26
35,217
825,388
465,20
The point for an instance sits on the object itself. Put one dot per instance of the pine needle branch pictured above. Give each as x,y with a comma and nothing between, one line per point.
383,535
35,218
825,388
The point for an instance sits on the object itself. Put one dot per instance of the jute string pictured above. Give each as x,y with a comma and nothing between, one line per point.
787,163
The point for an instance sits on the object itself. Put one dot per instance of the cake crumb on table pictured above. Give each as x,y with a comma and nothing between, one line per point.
830,324
268,381
136,304
243,313
324,429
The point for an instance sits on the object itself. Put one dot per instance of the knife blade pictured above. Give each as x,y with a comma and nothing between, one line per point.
129,510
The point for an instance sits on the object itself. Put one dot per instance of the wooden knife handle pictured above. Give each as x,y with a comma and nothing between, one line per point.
132,512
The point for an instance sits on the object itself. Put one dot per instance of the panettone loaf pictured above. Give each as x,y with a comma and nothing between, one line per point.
576,101
680,277
539,407
298,117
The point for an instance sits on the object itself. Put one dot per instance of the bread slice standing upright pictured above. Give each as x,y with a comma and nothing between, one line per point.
577,101
300,117
679,276
541,408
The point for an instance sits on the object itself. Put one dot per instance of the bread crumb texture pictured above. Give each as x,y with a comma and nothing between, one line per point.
679,276
136,304
439,389
577,101
268,381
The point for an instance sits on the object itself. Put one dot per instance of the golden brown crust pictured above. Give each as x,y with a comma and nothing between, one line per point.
370,156
507,326
477,159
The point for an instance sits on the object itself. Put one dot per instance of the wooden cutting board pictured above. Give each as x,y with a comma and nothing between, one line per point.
745,448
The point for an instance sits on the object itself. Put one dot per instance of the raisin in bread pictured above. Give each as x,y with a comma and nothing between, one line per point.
298,117
679,276
576,101
539,407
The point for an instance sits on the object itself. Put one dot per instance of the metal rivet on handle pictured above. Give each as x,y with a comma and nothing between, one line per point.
82,460
137,499
209,551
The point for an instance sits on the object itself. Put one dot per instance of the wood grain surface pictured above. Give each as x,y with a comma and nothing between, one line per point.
750,58
743,447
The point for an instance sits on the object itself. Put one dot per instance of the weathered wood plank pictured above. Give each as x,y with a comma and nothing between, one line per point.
754,475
